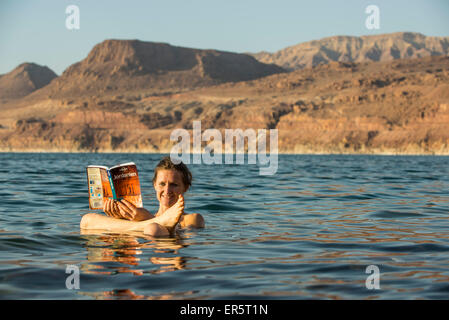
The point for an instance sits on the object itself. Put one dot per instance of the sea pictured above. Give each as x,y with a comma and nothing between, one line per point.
350,227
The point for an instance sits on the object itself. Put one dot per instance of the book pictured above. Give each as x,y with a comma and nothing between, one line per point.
118,182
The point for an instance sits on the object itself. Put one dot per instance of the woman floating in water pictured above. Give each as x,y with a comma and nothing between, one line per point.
170,181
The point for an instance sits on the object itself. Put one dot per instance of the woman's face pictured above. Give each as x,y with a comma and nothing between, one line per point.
168,186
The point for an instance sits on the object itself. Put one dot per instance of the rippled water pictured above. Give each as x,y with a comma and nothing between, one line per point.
308,232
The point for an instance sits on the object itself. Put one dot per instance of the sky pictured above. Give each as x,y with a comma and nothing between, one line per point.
35,31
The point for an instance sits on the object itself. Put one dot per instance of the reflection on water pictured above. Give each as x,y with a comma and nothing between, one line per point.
310,231
109,254
126,250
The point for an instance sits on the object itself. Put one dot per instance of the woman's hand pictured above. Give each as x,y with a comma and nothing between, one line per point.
125,210
111,209
130,212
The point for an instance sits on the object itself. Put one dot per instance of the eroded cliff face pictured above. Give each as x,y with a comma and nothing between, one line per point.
114,67
383,47
399,107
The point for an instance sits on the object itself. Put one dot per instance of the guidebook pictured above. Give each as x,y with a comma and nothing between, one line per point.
118,182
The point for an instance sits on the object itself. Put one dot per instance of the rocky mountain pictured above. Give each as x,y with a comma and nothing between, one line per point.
128,96
385,47
117,66
396,107
25,79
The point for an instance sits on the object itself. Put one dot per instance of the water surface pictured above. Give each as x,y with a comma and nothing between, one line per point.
308,232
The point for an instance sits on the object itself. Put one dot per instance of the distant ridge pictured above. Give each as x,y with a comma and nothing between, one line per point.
24,79
123,65
385,47
114,67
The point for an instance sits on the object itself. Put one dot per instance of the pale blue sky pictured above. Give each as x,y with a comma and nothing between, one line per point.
35,31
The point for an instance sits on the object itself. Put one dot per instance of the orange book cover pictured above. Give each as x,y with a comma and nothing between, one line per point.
125,184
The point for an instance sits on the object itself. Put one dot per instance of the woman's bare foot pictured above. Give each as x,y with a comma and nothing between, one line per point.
170,218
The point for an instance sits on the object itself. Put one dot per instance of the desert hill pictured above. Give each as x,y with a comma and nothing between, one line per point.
25,79
118,66
129,95
395,107
385,47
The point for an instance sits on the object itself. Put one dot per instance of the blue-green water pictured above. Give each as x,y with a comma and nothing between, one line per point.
308,232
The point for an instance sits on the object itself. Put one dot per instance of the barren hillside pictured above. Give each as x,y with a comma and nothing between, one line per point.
385,47
400,106
23,80
124,66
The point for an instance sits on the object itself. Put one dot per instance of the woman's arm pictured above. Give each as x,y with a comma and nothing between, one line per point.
94,221
169,220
